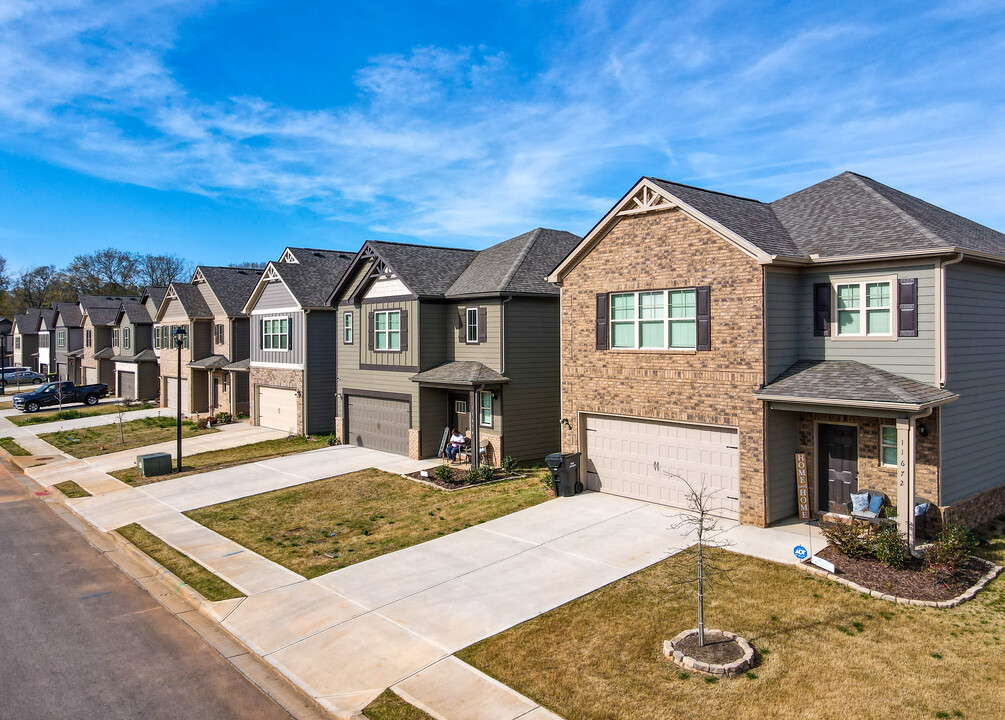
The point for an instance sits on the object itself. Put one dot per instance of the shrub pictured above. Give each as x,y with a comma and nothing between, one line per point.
890,547
486,473
443,473
332,440
222,418
470,477
853,538
508,464
203,422
950,551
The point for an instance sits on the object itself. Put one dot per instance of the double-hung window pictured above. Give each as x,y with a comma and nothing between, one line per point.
115,337
61,338
276,334
126,338
888,442
864,309
347,328
485,409
471,315
387,330
218,332
654,320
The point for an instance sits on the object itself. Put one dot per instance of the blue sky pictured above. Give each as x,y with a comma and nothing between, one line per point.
224,131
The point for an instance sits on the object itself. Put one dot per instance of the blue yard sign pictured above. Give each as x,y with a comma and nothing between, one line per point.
800,552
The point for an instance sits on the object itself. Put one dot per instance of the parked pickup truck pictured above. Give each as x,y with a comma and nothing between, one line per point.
59,393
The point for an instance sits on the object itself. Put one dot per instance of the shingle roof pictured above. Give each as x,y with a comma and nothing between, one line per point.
27,322
240,365
136,313
105,353
211,362
48,318
191,300
848,214
848,383
156,293
69,313
92,301
314,276
519,264
460,373
146,355
426,269
103,315
232,286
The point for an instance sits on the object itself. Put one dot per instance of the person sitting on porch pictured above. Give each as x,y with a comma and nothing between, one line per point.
455,443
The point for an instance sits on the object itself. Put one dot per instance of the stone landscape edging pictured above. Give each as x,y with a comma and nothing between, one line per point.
689,663
430,483
968,594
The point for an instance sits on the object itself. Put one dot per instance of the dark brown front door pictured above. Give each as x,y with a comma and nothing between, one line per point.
838,465
460,416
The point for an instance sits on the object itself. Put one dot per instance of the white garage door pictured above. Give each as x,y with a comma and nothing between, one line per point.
277,408
172,394
642,459
90,376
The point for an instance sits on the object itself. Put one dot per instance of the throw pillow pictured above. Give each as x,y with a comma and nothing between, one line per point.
859,502
875,503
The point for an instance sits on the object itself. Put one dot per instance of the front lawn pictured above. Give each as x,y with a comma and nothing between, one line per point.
322,526
72,413
185,568
217,459
104,439
824,651
12,447
71,489
388,706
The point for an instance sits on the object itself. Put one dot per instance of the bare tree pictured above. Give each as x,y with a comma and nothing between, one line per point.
106,271
250,264
162,270
696,567
4,277
37,287
61,394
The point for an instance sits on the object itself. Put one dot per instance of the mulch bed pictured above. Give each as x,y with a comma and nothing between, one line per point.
718,650
456,480
912,581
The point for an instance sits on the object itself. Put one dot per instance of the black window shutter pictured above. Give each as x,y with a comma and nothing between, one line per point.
601,321
822,310
261,334
403,324
461,325
703,315
907,304
483,325
369,332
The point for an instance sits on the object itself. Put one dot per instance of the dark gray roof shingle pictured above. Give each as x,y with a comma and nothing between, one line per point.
313,278
426,269
27,322
156,293
136,313
146,355
103,315
211,362
93,301
850,382
69,313
460,373
192,300
232,286
47,319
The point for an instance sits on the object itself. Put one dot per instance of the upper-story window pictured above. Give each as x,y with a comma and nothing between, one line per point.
654,320
157,337
43,340
387,330
864,309
218,334
347,328
115,337
472,325
88,338
17,342
61,338
126,338
276,334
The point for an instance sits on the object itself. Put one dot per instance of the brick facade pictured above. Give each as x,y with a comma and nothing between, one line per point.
280,378
656,251
978,508
872,475
414,444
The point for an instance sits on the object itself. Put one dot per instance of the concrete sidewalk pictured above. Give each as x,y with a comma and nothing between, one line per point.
7,428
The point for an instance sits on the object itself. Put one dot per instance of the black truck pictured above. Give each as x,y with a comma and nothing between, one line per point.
59,393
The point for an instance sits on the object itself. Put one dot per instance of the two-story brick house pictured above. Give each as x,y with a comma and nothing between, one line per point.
712,338
210,308
433,337
98,317
136,364
293,345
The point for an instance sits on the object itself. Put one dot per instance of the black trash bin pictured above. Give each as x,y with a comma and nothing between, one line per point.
565,472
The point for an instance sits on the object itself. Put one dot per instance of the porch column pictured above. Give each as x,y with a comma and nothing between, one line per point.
905,479
476,456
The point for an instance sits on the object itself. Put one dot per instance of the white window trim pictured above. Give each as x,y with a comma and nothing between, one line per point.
348,331
289,325
481,409
883,446
61,338
836,334
126,338
468,313
377,333
667,321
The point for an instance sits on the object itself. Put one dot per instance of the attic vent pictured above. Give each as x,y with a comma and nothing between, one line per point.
241,272
317,254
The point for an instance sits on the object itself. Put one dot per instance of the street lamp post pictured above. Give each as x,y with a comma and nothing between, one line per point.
3,363
179,341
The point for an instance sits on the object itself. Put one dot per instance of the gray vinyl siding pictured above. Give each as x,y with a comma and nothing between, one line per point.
275,296
405,358
782,301
437,341
433,418
295,354
781,444
148,381
911,357
240,339
201,342
973,428
321,371
531,402
488,352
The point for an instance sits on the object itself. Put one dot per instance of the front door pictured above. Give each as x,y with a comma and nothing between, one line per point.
838,465
216,393
460,416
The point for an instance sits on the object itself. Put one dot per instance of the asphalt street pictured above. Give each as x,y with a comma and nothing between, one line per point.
80,639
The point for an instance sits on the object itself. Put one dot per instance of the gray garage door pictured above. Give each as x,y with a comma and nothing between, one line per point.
379,424
127,385
651,460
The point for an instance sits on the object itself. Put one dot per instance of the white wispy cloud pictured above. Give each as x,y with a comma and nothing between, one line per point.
452,143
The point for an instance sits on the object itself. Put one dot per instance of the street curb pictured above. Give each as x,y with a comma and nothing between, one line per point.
268,679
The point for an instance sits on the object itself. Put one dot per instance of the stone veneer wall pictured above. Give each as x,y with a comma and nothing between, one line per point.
977,509
276,377
657,251
872,475
414,444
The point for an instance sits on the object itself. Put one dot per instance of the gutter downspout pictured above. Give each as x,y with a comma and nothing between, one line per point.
303,343
940,329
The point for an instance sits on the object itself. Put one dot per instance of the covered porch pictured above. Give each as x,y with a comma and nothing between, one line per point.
467,396
855,429
219,385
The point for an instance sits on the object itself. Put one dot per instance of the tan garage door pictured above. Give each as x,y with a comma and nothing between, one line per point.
277,409
641,459
379,424
172,394
90,376
127,385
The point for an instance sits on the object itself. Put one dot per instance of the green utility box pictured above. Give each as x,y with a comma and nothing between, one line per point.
154,464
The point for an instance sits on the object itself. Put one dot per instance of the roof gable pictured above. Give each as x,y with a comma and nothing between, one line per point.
230,287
